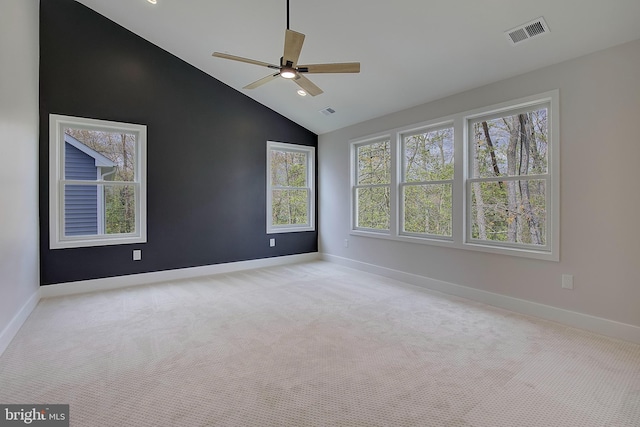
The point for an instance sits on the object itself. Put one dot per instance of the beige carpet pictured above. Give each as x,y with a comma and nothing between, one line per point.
313,344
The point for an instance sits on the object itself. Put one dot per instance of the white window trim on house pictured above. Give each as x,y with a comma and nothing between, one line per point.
310,188
460,238
57,239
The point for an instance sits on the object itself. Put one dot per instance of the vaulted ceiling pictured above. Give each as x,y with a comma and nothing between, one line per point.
411,51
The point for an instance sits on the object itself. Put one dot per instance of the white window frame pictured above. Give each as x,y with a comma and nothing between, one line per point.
462,183
310,188
57,239
402,182
355,186
547,177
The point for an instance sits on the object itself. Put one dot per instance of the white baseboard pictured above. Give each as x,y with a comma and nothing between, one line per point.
587,322
109,283
18,320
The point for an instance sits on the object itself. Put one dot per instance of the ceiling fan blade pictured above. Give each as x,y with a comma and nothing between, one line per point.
262,81
344,67
292,47
247,60
307,85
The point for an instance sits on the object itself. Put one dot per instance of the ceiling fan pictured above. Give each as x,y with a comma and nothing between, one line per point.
289,67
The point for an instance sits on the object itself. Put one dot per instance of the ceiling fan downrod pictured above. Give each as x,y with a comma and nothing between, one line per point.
287,14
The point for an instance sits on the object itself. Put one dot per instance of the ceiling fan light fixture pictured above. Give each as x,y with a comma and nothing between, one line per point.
287,72
301,92
288,67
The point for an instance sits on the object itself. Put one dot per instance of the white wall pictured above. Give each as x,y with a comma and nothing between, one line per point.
600,193
19,265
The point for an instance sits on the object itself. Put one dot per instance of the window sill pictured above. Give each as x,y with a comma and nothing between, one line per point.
289,230
478,247
84,243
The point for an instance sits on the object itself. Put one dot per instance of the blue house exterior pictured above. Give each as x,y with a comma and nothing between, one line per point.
84,204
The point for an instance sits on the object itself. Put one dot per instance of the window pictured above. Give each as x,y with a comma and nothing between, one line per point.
372,189
426,184
97,192
509,177
290,188
484,180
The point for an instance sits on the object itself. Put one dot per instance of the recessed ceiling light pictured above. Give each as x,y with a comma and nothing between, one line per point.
302,93
153,1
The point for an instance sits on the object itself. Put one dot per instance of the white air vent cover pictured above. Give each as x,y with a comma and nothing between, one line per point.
535,28
327,111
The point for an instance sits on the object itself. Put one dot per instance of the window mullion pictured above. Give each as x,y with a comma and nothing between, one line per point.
372,185
281,187
88,182
394,193
444,181
509,178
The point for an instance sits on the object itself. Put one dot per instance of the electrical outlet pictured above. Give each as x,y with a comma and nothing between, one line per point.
567,281
346,243
137,254
272,242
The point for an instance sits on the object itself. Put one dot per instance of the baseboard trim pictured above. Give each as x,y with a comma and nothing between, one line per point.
109,283
587,322
10,331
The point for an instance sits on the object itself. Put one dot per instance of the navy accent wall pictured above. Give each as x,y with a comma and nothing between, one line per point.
206,160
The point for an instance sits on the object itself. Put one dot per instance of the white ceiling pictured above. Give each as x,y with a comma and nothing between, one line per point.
411,51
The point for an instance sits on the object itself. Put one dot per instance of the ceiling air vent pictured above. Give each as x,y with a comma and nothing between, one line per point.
327,111
535,28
